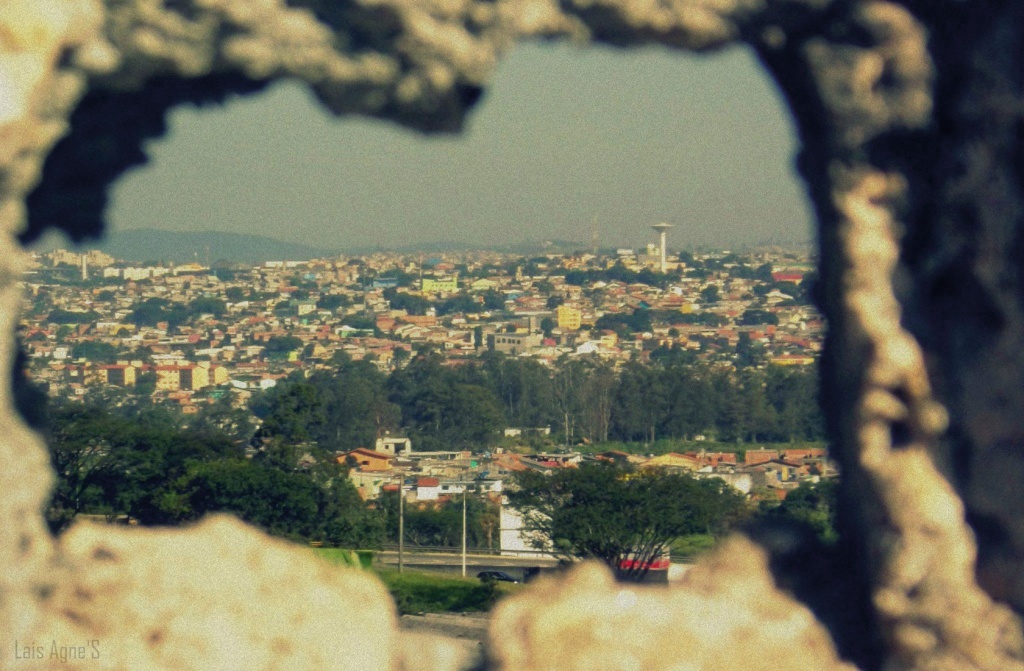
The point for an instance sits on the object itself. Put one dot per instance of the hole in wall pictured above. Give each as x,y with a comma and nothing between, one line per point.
563,138
564,142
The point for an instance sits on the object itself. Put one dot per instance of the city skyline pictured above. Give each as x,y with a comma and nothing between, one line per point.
563,139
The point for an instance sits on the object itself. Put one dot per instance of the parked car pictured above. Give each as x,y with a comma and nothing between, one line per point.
500,576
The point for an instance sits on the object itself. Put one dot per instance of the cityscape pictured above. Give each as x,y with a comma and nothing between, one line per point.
93,320
438,375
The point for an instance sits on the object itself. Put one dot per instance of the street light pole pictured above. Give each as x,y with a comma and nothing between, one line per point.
464,531
401,523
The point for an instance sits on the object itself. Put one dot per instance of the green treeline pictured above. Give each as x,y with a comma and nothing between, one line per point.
146,467
582,400
157,466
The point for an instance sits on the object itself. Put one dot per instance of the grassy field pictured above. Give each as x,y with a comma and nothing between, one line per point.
416,592
353,558
692,546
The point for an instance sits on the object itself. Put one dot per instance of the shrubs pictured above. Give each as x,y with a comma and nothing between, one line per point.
423,593
416,592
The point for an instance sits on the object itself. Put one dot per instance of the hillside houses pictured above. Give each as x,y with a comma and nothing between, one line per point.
191,329
427,477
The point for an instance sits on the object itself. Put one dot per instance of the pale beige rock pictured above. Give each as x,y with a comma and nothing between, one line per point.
725,615
219,595
418,651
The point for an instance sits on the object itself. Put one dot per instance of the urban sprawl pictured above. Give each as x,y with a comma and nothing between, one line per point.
192,335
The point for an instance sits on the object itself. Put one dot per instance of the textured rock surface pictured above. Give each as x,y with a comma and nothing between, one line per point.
216,596
727,614
910,120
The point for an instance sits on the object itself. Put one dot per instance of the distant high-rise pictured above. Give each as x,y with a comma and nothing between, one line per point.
662,229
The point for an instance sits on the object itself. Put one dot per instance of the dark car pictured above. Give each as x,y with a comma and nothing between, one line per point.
500,576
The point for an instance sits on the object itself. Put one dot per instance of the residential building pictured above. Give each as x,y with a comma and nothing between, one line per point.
435,285
393,445
569,318
513,343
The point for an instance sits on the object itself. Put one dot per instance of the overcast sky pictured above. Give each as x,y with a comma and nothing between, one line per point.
563,137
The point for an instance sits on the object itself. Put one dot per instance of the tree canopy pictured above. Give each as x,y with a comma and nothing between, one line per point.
96,350
814,504
148,468
343,411
623,517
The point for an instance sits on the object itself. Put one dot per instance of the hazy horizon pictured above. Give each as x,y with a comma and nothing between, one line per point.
564,138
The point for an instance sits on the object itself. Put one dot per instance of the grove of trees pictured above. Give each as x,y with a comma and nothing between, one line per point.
581,399
147,468
155,466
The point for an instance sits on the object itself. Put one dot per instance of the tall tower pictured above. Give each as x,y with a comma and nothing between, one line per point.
662,229
85,268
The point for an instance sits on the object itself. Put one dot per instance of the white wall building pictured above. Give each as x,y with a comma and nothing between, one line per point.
393,445
515,540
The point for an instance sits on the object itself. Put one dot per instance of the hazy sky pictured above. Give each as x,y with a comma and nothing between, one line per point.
563,136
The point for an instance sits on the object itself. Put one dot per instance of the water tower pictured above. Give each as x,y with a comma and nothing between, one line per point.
662,229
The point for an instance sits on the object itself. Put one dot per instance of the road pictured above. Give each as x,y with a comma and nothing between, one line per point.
444,562
522,568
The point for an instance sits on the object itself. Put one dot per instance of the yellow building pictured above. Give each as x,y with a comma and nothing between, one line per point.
673,460
793,360
450,284
176,378
483,284
569,318
216,375
219,375
120,375
168,378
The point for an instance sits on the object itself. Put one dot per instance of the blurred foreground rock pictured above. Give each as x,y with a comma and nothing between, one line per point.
219,595
726,614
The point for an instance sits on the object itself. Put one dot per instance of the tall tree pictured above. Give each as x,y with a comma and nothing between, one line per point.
812,504
597,400
225,417
625,518
691,401
119,465
524,388
293,410
288,504
640,403
793,393
568,383
445,408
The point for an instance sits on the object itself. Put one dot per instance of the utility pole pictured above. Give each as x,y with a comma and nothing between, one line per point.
463,531
401,522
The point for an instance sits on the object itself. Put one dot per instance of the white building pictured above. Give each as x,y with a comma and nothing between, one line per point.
515,540
393,445
427,489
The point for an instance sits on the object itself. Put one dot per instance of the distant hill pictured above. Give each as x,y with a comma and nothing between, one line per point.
149,244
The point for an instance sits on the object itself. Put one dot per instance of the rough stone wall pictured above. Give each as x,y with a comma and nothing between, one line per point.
909,114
